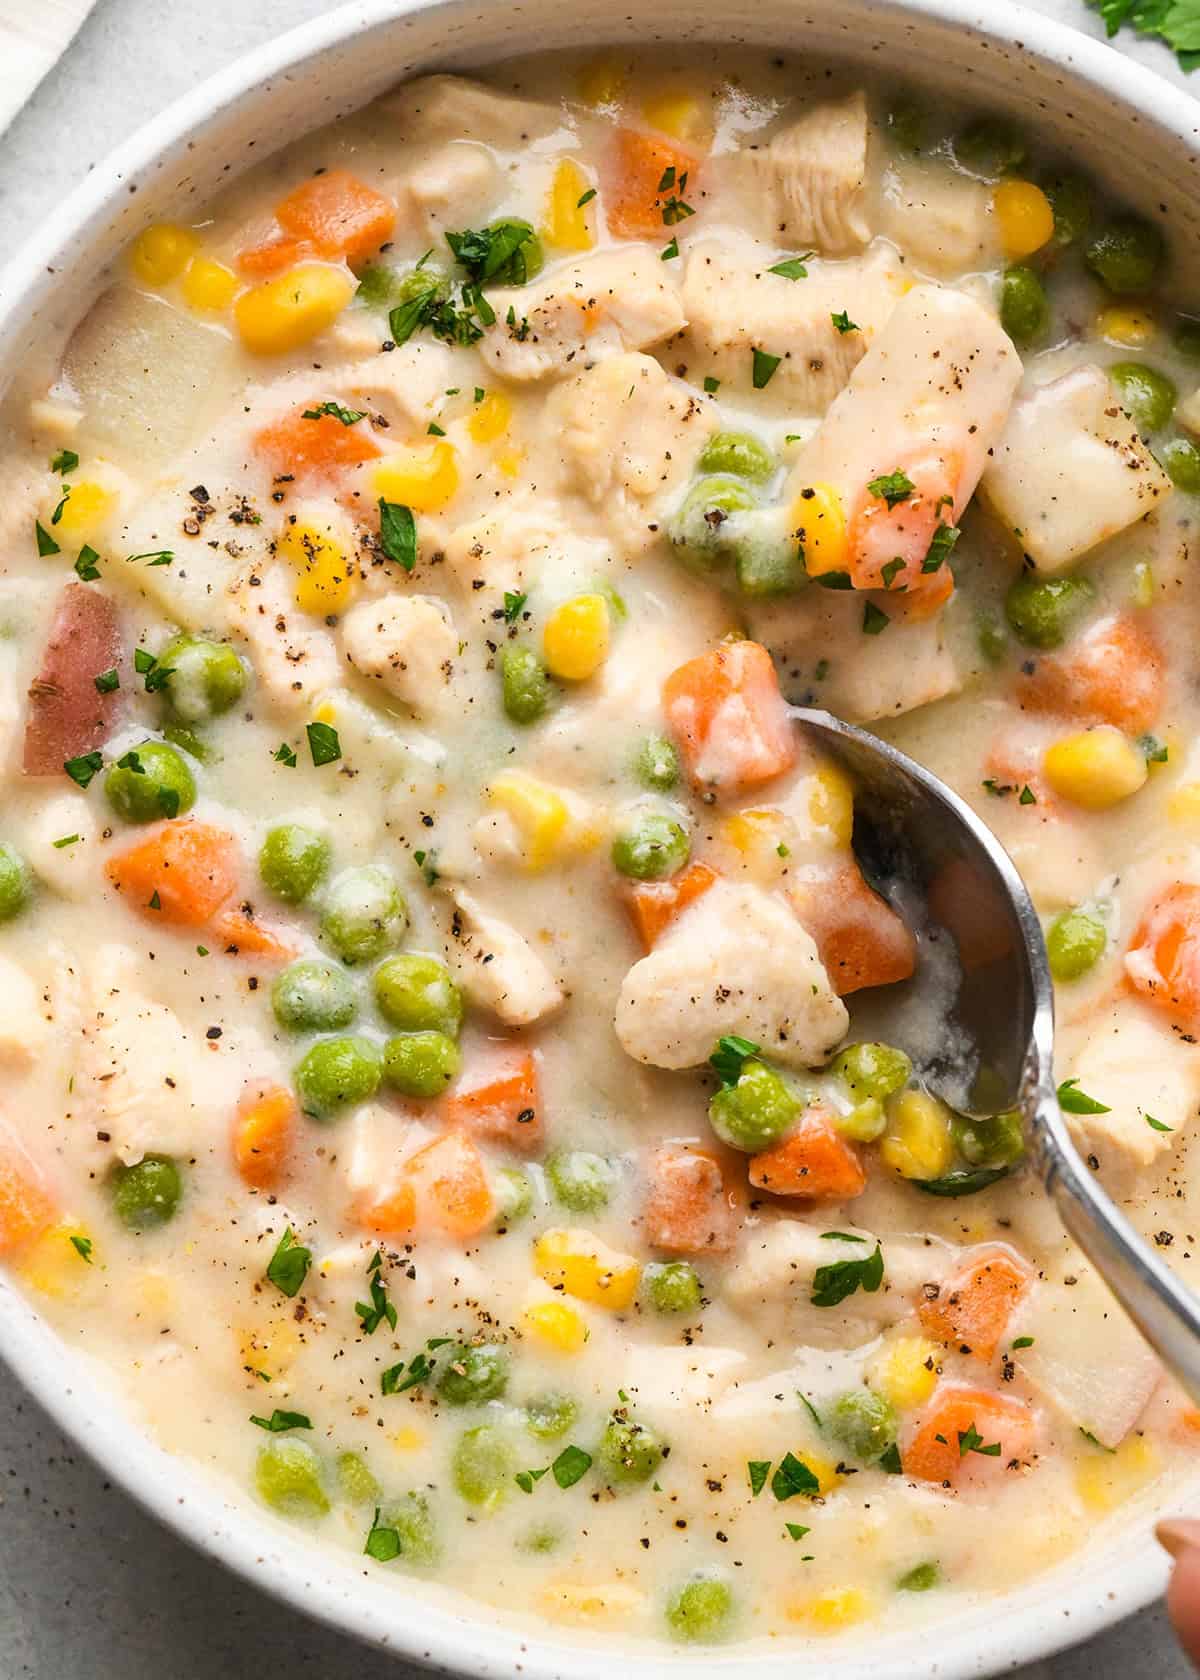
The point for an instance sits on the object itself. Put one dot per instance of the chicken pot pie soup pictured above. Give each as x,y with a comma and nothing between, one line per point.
445,1059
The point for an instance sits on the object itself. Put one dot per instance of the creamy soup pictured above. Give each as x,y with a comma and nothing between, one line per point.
457,1075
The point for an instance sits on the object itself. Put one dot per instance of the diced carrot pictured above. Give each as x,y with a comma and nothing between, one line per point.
648,172
957,1424
182,873
68,715
313,448
262,1134
653,905
922,603
889,537
1112,673
338,215
500,1098
452,1191
859,937
394,1212
1163,959
261,262
26,1205
972,1309
812,1161
240,935
730,720
688,1209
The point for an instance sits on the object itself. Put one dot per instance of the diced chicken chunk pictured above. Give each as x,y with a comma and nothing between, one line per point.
1136,1067
405,643
438,108
941,220
1070,470
293,655
810,178
59,841
408,383
737,961
734,305
616,300
24,1024
67,715
499,969
454,187
673,1389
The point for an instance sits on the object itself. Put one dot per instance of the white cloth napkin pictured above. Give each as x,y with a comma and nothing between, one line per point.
34,34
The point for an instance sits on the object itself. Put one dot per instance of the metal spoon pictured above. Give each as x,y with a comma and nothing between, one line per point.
914,832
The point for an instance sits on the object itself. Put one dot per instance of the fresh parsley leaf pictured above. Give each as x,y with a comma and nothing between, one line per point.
82,1245
964,1181
730,1053
834,580
874,619
514,601
940,546
152,557
288,1266
434,430
383,1544
711,385
843,323
585,198
920,1578
793,1477
892,487
526,1479
420,1369
279,1421
108,681
147,666
841,1236
571,1465
416,311
73,840
63,500
813,1413
833,1283
1093,1442
284,754
667,179
797,1530
1156,1125
154,903
792,268
1075,1101
83,768
65,461
1152,749
380,1308
45,542
889,1460
323,743
670,252
495,254
970,1440
763,368
757,1471
1022,1342
1027,796
398,533
347,416
1175,22
891,570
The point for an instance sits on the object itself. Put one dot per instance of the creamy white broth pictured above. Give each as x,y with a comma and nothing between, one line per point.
544,467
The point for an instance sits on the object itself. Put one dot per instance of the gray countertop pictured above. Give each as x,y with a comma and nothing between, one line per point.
89,1586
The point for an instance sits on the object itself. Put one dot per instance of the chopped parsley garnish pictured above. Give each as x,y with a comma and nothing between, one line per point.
64,499
1091,1441
45,542
152,557
797,1530
763,368
288,1266
843,323
347,416
670,252
792,268
570,1466
83,768
108,681
1156,1125
1027,796
82,1245
812,1411
674,208
891,570
398,533
284,754
147,666
892,487
1022,1342
1152,749
874,619
155,903
841,1236
434,430
280,1421
65,461
889,1460
525,1479
757,1471
383,1544
1075,1101
834,580
1171,21
970,1440
419,1368
998,790
711,385
940,546
833,1283
730,1053
73,840
793,1477
514,600
494,254
585,198
380,1307
323,743
427,864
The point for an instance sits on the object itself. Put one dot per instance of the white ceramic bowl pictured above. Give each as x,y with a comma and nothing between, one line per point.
1132,129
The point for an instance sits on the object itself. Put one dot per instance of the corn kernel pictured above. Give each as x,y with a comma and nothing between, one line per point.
828,1611
408,1439
1095,768
541,815
819,520
556,1325
1141,591
509,462
575,640
824,1469
270,1351
423,477
156,1291
284,313
162,252
678,114
325,582
601,82
583,1266
1133,328
1024,216
85,511
831,804
1184,804
1104,1480
490,418
209,285
52,1264
918,1142
568,224
589,1602
905,1372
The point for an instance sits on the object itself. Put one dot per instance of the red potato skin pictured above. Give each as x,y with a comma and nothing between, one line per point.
67,715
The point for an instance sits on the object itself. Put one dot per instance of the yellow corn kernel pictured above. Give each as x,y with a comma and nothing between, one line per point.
819,521
589,1602
325,582
750,831
156,1292
568,224
601,82
1184,804
905,1372
1141,591
828,1611
1104,1480
422,477
271,1350
575,640
162,252
918,1142
581,1265
831,804
509,462
1133,328
491,418
1024,217
823,1469
556,1325
209,285
54,1266
1095,768
284,313
408,1439
85,511
541,815
678,114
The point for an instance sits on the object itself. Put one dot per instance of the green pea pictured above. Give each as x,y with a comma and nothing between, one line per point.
150,783
483,1466
756,1112
767,558
650,845
1071,200
1181,460
356,1484
672,1287
906,125
147,1194
1041,610
313,996
289,1477
696,528
292,861
417,994
701,1611
420,1064
363,914
992,638
1024,306
865,1122
989,147
542,1539
337,1073
473,1373
1075,943
581,1181
412,1520
1126,255
1186,337
920,1579
513,1191
995,1142
550,1416
863,1423
16,882
180,735
203,678
872,1069
525,684
427,283
628,1452
740,454
656,764
1148,395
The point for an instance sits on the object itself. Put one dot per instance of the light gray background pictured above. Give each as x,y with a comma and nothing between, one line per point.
88,1585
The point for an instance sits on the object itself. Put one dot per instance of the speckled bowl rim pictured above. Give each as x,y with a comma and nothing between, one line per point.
427,1625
